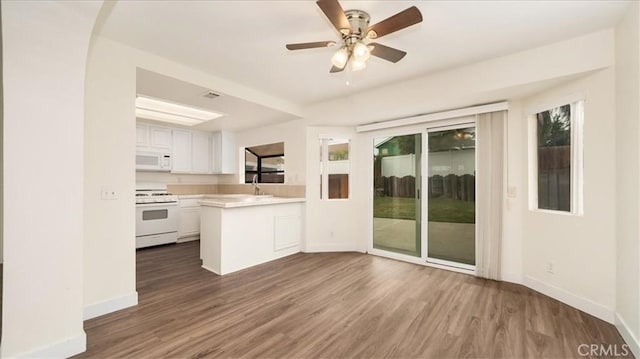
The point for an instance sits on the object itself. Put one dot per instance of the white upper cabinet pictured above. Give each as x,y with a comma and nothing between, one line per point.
225,153
181,159
160,138
142,136
191,151
201,152
151,138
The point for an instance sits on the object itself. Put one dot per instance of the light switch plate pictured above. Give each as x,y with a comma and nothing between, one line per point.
108,193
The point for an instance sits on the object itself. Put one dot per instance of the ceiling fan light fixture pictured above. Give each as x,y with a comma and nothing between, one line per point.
361,52
340,58
358,65
355,30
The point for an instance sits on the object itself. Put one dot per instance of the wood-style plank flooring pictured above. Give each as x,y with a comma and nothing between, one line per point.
334,305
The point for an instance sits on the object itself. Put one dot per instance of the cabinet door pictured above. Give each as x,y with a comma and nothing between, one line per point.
181,159
201,155
160,138
228,153
142,136
224,152
189,224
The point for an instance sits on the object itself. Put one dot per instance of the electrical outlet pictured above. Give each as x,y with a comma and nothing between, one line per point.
512,192
108,193
550,267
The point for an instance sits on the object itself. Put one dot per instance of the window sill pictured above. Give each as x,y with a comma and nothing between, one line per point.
550,211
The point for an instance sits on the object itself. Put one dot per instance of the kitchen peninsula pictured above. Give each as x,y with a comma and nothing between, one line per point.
240,231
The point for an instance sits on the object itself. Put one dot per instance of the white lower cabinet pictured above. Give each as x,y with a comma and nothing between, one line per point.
241,237
189,222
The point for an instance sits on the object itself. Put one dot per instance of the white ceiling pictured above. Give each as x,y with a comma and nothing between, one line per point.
239,114
243,41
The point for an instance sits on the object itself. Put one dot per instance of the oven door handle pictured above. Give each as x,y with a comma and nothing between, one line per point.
148,205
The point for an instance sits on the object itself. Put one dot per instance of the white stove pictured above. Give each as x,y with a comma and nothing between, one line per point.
155,196
156,215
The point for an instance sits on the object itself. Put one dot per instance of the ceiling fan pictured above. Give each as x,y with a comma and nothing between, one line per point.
354,28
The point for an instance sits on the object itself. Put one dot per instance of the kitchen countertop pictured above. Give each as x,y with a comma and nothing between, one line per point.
245,200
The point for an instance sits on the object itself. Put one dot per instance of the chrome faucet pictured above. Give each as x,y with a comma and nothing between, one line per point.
256,188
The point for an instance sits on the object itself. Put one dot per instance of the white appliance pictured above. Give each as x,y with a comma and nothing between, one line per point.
156,215
150,161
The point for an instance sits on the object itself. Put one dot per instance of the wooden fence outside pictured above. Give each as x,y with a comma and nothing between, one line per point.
461,188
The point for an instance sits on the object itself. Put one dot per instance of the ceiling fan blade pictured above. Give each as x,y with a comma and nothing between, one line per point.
335,14
310,45
386,52
399,21
335,69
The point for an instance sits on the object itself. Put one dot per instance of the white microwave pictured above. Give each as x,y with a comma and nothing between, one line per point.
149,161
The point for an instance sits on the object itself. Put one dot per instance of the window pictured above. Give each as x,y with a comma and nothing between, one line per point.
557,165
265,163
334,168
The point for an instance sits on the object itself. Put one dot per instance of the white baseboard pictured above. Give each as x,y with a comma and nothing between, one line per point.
331,247
110,305
511,277
209,269
62,349
189,239
586,305
628,335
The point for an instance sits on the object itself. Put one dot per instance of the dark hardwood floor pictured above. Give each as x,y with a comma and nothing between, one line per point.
334,305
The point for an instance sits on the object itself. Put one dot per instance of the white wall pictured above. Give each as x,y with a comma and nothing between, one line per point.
627,166
516,167
1,155
170,178
44,59
110,145
488,81
581,248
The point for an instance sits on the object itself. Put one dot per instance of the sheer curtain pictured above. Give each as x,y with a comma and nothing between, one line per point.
489,192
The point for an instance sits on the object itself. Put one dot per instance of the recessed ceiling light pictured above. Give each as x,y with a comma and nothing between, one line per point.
159,110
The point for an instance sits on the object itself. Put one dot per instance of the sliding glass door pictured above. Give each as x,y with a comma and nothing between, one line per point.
437,226
396,199
451,203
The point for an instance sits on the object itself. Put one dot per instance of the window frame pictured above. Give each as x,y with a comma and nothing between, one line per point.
324,163
259,170
577,157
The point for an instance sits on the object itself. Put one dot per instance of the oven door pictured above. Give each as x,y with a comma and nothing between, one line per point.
156,218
